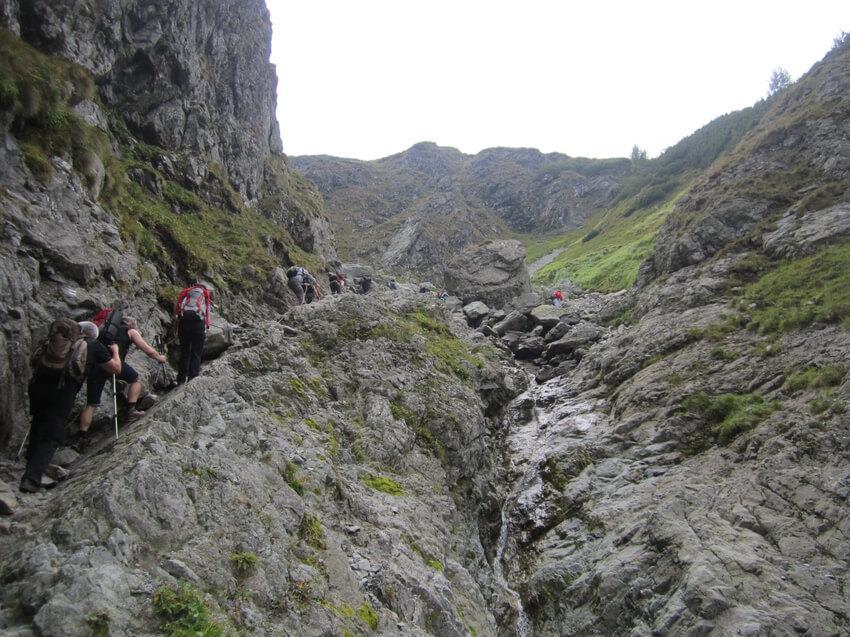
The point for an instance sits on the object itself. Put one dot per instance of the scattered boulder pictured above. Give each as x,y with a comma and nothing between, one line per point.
547,316
475,312
219,338
493,272
579,336
515,321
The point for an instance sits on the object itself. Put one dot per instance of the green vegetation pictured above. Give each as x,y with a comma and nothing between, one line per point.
99,623
451,355
244,562
816,377
311,532
606,252
827,403
39,92
730,414
608,257
426,557
365,613
382,483
185,612
419,425
368,615
814,289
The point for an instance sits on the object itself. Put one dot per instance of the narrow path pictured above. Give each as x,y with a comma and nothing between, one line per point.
545,260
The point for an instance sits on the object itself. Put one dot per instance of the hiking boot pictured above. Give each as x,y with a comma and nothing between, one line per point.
29,486
133,416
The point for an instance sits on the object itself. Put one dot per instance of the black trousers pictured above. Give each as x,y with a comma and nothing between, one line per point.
192,334
50,407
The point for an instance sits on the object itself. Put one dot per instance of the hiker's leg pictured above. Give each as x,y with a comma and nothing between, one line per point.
48,431
134,392
185,350
94,389
86,416
130,376
197,343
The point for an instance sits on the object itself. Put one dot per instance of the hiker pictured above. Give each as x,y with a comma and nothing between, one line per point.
336,282
312,291
557,298
192,313
391,284
54,386
300,281
443,295
364,283
126,335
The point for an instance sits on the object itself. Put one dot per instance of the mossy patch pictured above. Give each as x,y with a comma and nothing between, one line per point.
729,415
39,91
290,476
311,532
186,612
816,377
382,484
244,562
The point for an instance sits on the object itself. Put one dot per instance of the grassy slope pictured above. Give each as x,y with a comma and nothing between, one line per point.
607,251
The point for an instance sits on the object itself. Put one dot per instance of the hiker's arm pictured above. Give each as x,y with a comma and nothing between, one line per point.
139,342
113,365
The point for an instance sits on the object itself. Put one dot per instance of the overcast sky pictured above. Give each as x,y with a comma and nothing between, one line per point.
369,78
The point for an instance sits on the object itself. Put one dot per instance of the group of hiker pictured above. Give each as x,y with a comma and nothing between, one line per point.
93,351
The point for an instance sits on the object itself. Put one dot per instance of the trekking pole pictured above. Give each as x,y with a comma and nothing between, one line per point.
21,450
115,404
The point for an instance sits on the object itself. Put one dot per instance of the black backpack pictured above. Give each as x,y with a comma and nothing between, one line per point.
65,350
110,331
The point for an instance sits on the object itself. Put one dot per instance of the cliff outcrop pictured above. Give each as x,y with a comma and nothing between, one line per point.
139,151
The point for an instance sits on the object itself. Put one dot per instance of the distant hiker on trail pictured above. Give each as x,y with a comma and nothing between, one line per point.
557,298
192,313
391,284
336,282
312,290
442,295
300,281
122,331
70,353
364,283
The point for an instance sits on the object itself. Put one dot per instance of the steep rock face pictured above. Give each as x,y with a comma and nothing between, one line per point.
493,273
316,455
796,161
60,254
416,208
94,217
187,76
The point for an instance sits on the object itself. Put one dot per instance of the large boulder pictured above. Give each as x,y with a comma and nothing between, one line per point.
493,273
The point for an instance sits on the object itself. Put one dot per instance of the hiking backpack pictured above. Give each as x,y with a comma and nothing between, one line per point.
65,349
194,303
110,322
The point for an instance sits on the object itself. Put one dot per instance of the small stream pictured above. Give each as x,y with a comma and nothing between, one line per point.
538,420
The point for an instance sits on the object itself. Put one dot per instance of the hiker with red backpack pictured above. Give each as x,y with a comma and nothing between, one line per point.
69,354
192,313
122,331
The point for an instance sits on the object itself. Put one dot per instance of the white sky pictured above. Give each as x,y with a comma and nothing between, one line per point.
369,78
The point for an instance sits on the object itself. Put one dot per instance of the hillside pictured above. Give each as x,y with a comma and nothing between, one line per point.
670,458
411,210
